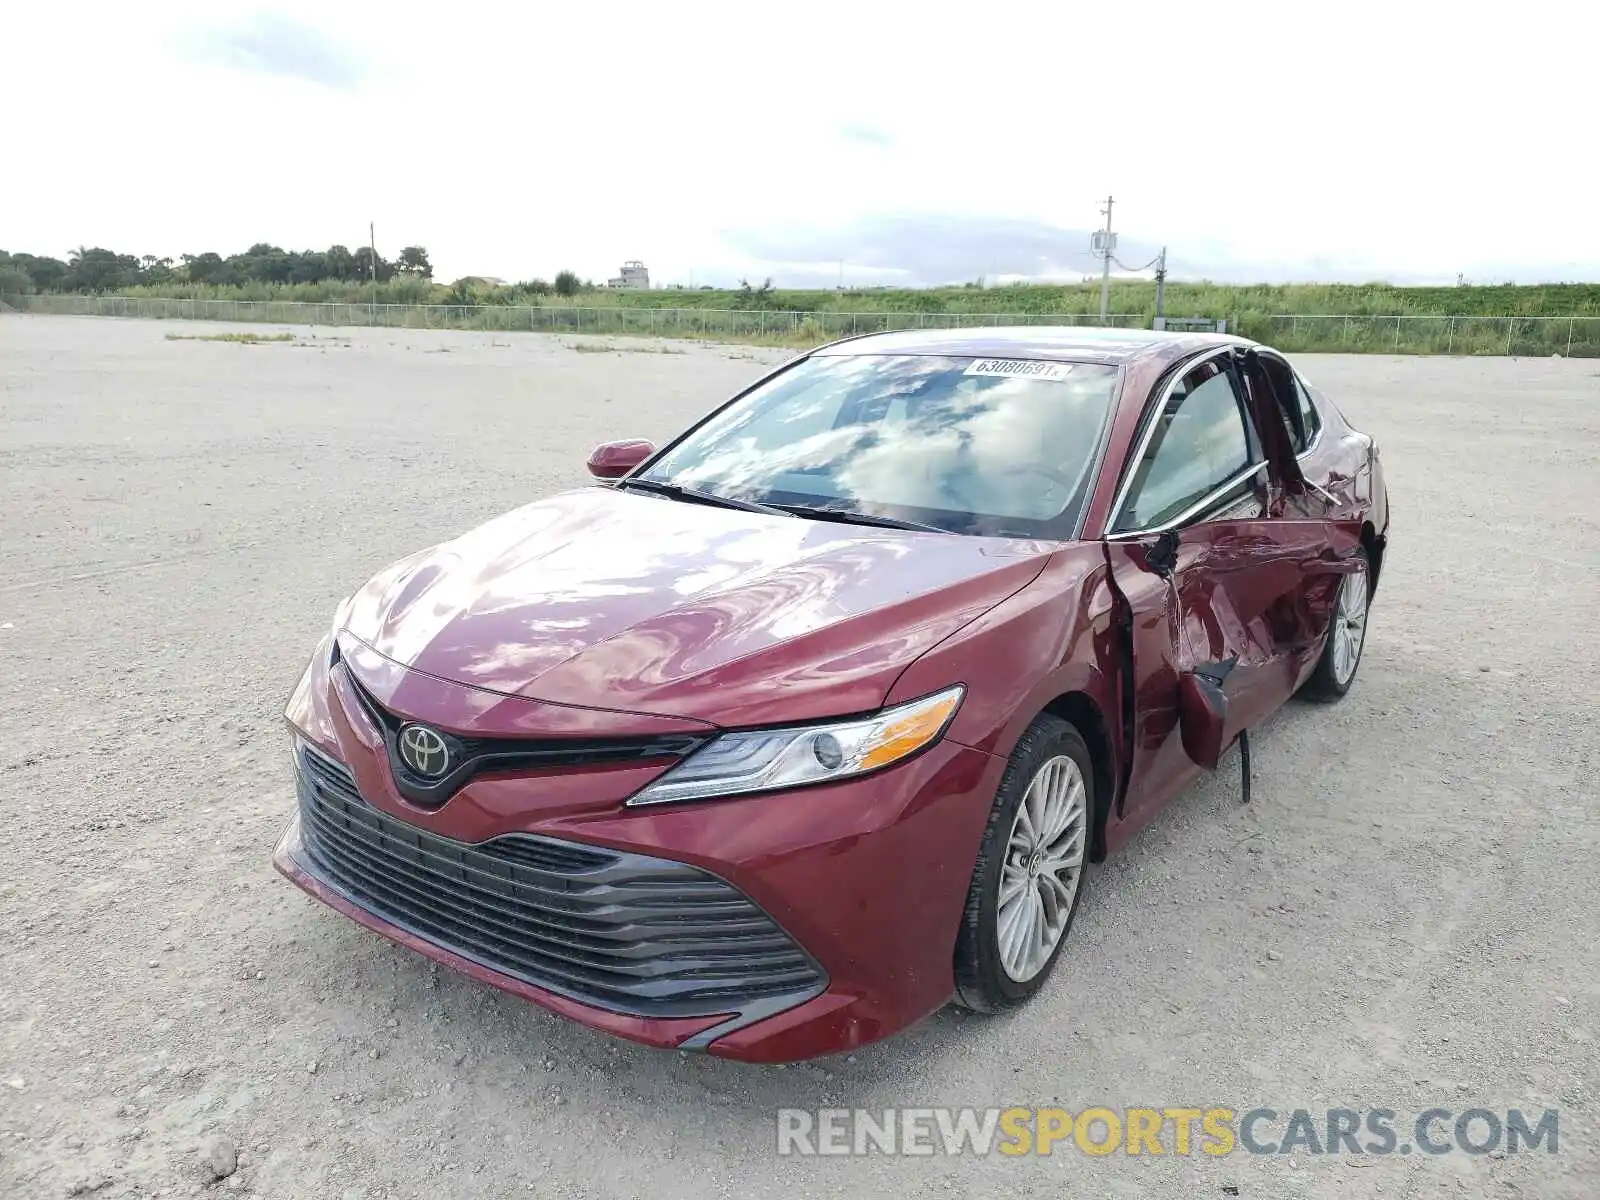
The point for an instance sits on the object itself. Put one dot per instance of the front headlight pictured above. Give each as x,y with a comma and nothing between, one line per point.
765,760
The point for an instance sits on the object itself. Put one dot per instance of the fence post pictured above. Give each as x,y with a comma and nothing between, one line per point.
1511,332
1570,323
1450,342
1397,333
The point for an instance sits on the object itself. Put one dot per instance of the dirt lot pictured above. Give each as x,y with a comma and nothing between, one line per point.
1404,918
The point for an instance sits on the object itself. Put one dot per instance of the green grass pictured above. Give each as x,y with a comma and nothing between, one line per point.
1550,319
246,339
613,348
1134,297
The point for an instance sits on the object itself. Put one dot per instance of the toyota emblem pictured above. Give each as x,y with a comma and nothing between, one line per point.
424,750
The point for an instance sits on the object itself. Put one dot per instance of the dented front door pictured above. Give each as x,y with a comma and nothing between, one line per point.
1224,600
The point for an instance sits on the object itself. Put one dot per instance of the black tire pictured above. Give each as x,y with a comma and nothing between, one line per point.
1325,686
982,983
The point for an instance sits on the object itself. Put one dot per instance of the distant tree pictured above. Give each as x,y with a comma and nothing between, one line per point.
309,266
46,273
262,263
154,270
413,261
749,297
567,284
96,269
207,268
364,260
340,263
534,287
14,281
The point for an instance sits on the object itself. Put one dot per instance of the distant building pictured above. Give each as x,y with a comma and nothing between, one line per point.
633,275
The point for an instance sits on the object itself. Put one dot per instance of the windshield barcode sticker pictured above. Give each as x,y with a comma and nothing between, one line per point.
1016,368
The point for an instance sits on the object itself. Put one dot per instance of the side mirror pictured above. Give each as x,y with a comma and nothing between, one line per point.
613,460
1203,711
1202,719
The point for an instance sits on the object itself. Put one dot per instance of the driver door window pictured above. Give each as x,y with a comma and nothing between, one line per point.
1199,444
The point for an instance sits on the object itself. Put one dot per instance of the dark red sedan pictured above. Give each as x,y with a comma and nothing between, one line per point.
810,720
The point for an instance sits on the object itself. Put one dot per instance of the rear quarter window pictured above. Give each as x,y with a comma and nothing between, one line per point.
1309,422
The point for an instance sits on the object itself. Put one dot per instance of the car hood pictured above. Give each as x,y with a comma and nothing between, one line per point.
631,602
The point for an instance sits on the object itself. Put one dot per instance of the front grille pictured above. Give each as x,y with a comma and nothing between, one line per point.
626,932
475,755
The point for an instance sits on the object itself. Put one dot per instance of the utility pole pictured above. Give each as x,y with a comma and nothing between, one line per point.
1105,268
372,245
1161,290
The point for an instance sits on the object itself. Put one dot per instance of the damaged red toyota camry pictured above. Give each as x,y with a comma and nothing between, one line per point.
809,722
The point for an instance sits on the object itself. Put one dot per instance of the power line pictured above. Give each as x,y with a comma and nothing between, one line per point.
1146,266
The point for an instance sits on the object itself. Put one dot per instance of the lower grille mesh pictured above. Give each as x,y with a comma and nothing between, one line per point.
626,932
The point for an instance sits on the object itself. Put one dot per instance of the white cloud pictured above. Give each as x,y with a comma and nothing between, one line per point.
1400,140
276,44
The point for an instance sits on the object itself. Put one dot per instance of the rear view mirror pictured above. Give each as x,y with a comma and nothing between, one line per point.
613,460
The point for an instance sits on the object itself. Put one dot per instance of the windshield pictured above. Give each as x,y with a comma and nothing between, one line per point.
969,445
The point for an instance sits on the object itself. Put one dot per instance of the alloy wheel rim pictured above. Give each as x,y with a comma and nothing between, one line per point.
1043,866
1350,626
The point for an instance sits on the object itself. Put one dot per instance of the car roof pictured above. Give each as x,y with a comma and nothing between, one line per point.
1076,343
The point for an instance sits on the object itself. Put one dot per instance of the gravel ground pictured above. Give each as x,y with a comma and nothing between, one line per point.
1403,918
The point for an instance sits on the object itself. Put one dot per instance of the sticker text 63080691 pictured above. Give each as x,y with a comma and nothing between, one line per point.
1016,368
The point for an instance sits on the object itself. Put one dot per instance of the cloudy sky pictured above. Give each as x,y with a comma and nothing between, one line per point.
1407,140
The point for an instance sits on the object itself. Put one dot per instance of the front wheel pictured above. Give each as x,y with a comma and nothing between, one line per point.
1347,637
1029,874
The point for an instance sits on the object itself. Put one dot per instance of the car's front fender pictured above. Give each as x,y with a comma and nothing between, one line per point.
1053,638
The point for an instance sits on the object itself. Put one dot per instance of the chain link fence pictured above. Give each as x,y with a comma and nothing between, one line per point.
711,323
1575,336
1529,336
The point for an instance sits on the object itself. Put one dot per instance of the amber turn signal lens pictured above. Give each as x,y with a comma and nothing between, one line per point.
911,732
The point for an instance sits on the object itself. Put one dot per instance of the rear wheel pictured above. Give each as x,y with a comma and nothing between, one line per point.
1347,637
1029,875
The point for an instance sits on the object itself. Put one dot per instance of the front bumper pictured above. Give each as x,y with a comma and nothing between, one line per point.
867,880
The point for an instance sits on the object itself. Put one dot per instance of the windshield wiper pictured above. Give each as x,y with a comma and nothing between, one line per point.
677,491
849,517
